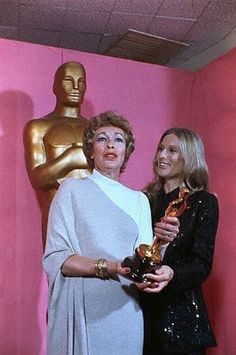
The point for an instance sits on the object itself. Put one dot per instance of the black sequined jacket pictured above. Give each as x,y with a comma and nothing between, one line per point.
176,320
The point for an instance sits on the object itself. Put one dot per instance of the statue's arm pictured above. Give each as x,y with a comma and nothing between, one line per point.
44,174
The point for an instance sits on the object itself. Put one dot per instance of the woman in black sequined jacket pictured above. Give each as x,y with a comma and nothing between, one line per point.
176,320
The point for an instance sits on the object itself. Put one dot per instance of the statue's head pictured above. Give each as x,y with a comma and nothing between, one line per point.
70,84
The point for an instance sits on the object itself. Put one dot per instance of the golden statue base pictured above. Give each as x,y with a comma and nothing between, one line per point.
146,259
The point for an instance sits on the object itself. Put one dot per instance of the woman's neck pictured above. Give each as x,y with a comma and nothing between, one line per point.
171,185
109,174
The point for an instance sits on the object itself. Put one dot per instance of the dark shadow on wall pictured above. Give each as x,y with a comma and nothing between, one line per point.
20,241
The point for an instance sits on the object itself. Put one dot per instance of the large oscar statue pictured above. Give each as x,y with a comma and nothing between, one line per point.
53,143
147,258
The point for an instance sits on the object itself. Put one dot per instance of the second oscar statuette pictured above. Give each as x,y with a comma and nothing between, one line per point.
147,258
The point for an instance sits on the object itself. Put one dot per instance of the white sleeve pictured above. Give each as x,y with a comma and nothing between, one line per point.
145,222
60,233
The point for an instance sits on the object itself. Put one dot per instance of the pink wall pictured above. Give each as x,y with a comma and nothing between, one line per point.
219,129
153,98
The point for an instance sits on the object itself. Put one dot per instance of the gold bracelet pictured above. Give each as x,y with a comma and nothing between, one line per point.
101,268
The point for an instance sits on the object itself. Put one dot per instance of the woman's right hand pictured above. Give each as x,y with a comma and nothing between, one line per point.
114,267
156,281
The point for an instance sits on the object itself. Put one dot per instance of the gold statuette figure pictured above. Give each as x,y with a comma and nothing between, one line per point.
53,143
148,257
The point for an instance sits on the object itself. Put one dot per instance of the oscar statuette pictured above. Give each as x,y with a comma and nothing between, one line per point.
147,258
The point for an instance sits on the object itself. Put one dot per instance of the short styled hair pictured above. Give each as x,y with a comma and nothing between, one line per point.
195,168
108,118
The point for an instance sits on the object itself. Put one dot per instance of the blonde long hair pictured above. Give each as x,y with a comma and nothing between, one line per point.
195,170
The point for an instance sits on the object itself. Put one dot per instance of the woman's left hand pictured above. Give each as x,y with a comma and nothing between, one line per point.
167,230
156,281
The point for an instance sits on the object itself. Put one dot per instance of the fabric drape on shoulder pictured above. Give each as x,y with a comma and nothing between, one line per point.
84,220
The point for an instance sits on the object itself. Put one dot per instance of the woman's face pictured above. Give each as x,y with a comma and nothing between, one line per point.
169,159
109,148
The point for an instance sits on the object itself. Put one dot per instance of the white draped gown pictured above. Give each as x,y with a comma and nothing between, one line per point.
99,218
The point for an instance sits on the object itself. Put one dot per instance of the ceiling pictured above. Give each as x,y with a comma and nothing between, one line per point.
102,26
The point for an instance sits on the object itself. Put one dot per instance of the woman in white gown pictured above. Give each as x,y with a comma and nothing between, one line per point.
94,223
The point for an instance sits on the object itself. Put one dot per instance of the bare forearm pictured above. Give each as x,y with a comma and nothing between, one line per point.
77,265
